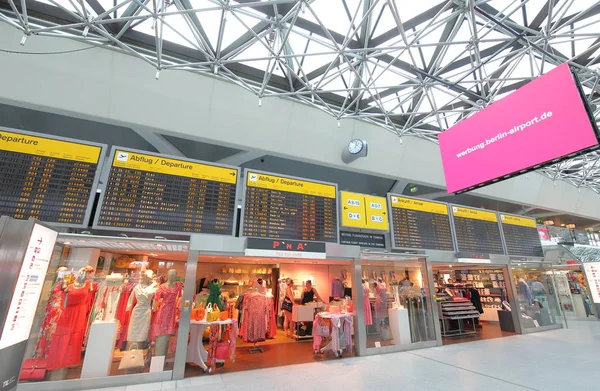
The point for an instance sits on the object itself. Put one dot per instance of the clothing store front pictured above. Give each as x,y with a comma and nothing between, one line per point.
543,295
396,310
475,299
247,290
107,315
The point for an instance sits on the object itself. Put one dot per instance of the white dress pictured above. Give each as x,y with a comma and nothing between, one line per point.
139,325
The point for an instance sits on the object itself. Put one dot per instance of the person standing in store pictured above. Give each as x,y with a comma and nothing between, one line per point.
286,306
309,293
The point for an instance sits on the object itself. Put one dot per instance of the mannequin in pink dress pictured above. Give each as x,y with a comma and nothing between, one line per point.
166,305
367,304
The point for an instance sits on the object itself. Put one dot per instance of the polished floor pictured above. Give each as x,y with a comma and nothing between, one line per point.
553,360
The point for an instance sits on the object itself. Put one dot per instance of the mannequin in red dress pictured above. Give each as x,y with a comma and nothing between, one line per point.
67,341
166,304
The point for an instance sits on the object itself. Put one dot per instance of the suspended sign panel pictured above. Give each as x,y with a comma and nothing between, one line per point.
521,236
420,224
159,194
541,123
363,211
280,207
477,231
47,178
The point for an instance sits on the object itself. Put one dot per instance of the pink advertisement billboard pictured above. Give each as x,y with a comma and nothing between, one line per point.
539,123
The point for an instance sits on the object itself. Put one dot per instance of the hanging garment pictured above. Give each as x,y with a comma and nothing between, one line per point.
124,316
54,309
337,288
215,294
381,294
167,309
67,341
256,317
139,323
367,305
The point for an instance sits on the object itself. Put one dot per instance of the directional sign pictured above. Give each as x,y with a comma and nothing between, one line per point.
363,211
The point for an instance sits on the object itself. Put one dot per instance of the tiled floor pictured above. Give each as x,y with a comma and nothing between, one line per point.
553,360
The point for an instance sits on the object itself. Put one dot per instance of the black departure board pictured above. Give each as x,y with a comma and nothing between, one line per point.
154,193
47,178
418,224
521,236
279,207
477,231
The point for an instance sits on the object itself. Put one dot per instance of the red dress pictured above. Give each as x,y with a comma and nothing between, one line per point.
167,310
67,341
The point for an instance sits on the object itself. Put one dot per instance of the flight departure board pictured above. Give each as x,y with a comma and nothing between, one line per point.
521,236
47,178
280,207
477,231
419,224
155,193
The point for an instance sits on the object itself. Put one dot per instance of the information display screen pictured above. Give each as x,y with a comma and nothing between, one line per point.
280,207
46,178
477,231
155,193
521,236
420,224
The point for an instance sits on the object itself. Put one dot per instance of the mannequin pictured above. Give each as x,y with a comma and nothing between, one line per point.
139,325
166,305
214,286
67,340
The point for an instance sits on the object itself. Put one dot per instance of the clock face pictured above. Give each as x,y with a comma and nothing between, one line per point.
355,146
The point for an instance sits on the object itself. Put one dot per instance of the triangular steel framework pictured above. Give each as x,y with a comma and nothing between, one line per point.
414,68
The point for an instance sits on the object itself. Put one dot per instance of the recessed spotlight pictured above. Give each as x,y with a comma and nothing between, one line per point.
67,243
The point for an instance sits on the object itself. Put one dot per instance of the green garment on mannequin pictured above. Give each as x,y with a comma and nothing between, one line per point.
215,294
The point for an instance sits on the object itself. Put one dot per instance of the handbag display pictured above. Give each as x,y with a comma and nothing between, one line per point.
222,352
322,330
133,358
224,315
213,314
33,369
386,333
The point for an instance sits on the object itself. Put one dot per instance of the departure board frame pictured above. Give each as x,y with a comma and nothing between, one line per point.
391,222
500,214
458,249
290,177
106,176
97,174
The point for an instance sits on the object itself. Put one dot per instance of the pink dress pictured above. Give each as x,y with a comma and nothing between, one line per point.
367,306
167,305
381,311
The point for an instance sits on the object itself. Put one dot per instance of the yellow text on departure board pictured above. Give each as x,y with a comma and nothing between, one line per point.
42,146
475,214
184,168
418,205
515,220
272,182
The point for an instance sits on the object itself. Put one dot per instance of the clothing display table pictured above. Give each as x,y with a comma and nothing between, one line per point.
196,353
341,334
457,311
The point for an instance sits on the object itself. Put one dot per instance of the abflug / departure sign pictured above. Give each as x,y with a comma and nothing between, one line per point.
540,123
47,178
281,207
156,193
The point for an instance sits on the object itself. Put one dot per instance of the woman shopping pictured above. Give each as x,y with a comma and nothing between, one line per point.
286,306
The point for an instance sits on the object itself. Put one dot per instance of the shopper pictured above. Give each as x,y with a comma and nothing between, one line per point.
286,306
309,293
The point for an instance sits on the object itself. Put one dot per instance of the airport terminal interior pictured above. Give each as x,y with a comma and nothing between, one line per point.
194,189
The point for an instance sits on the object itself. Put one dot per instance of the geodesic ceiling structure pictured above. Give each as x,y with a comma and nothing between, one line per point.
412,67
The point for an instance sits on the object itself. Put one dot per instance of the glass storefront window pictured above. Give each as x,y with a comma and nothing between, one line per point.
104,314
397,307
538,293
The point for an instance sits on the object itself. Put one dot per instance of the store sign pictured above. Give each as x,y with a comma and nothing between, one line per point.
541,123
28,288
592,273
363,211
365,240
470,257
258,247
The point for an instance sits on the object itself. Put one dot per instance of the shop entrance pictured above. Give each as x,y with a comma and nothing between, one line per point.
256,332
474,302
